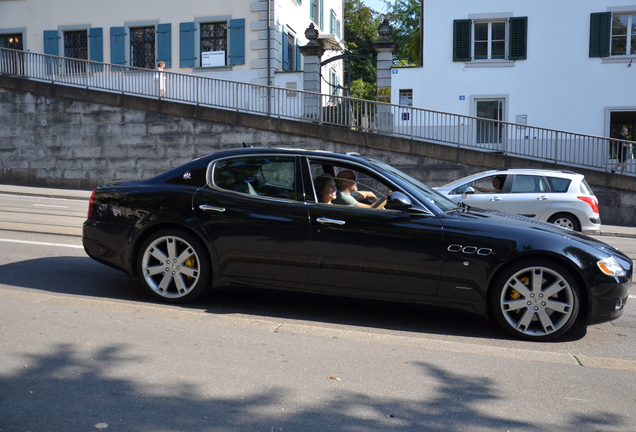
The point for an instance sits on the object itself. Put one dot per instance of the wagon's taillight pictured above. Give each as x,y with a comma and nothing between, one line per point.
90,205
591,201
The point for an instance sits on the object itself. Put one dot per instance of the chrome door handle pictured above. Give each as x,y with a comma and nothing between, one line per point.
323,220
495,199
543,198
206,207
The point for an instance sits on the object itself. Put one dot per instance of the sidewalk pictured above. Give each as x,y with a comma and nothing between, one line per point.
606,230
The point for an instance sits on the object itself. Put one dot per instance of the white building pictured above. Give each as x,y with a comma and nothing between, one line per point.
239,40
563,65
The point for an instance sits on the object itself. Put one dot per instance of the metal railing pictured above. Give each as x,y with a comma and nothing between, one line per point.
549,145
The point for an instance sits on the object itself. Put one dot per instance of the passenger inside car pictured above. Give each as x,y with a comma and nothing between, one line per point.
497,185
325,188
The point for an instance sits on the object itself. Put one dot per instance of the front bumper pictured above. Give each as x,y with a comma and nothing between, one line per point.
610,304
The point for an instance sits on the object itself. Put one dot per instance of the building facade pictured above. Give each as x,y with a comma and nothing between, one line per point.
243,40
563,65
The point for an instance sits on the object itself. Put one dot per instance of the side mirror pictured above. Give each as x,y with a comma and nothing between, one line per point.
468,191
398,201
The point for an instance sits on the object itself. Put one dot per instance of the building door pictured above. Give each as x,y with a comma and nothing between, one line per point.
619,120
489,132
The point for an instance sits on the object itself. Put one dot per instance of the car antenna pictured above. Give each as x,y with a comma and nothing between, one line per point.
245,145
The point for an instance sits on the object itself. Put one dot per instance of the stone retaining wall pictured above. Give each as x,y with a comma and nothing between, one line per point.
59,136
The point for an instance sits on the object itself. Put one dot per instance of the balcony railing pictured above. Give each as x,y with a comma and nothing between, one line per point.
553,146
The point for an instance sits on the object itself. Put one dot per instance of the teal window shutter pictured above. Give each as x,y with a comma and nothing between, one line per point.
461,40
600,34
51,42
164,43
96,44
118,45
186,44
299,56
518,47
322,14
237,41
96,47
286,65
312,9
51,47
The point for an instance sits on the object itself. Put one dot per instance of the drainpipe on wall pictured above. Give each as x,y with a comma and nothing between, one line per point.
269,57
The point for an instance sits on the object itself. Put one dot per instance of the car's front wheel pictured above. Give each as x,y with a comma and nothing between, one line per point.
174,266
535,300
565,220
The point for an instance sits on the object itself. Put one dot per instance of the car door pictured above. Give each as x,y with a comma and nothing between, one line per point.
252,213
374,252
529,196
483,194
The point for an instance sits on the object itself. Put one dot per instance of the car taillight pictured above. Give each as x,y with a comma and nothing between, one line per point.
591,201
90,205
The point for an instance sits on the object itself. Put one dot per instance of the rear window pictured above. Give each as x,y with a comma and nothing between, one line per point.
585,188
558,184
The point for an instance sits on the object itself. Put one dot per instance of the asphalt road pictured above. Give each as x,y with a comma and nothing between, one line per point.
82,348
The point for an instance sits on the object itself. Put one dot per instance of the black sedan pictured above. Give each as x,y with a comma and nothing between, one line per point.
345,225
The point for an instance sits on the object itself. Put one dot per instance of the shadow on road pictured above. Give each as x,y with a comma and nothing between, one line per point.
72,388
83,276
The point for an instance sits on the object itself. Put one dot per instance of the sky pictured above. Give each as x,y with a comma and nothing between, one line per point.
377,5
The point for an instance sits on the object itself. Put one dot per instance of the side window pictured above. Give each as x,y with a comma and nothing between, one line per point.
347,186
490,184
560,185
273,177
528,184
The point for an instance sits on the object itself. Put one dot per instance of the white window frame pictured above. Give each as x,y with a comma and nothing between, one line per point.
490,39
631,16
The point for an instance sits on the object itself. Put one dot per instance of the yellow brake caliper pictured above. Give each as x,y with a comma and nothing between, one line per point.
514,294
191,262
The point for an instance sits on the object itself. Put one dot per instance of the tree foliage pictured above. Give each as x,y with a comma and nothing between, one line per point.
404,16
361,31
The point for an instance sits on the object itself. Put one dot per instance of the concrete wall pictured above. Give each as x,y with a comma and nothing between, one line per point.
57,136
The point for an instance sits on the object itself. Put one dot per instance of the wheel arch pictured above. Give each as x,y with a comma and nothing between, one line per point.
160,226
575,272
574,217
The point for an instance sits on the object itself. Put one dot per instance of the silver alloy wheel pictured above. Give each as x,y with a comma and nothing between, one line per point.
538,301
170,267
564,222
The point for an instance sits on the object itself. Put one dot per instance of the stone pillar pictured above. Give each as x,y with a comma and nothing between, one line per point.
312,53
385,49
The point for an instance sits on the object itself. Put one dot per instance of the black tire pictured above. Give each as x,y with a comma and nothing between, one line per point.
565,220
174,266
537,301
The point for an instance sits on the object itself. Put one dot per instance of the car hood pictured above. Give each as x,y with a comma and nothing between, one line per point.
501,223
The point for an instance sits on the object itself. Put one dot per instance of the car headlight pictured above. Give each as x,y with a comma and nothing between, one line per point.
611,267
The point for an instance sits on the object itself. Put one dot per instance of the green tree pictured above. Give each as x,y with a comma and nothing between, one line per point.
404,16
361,31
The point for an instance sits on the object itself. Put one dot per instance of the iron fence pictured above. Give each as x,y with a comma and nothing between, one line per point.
549,145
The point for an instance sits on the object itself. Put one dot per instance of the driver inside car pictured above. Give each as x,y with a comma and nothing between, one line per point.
348,193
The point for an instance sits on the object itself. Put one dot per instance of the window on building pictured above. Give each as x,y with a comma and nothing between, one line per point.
13,41
316,12
334,24
623,35
76,46
211,42
142,47
291,51
406,97
490,39
213,51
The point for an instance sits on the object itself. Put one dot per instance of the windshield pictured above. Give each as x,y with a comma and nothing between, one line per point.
434,197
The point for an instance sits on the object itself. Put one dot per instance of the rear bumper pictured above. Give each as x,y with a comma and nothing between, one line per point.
107,243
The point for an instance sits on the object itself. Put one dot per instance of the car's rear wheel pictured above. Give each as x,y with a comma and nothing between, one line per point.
174,266
535,301
566,220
